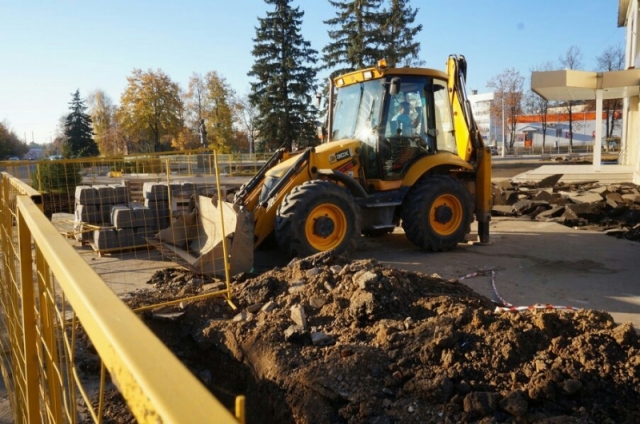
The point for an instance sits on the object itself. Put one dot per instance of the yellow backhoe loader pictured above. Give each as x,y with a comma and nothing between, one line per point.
401,148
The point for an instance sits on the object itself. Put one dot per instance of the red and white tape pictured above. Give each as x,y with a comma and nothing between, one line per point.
508,307
473,274
532,307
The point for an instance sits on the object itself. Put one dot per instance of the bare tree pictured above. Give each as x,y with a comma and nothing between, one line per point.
572,59
537,105
507,101
195,111
245,117
612,59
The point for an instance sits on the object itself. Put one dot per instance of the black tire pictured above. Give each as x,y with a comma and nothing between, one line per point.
317,216
437,213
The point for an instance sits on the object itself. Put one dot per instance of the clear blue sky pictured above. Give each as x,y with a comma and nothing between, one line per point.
48,49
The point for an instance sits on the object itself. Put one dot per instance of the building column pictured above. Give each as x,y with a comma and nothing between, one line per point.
597,146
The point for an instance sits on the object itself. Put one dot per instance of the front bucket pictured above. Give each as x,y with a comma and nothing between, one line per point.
197,238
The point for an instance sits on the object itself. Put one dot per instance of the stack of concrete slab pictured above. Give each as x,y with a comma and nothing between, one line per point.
163,198
105,217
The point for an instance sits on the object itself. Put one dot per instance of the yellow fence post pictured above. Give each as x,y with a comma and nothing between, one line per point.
169,194
49,338
28,322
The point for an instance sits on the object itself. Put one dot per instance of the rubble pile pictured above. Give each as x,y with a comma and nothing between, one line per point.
328,340
589,205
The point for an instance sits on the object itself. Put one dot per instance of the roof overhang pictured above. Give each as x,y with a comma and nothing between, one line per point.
623,8
582,85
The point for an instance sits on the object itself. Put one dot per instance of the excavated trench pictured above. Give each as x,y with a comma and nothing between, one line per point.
224,375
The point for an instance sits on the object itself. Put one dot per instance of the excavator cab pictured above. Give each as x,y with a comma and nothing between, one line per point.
398,119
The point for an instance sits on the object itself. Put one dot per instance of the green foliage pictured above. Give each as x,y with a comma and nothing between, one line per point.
364,32
56,177
285,78
10,144
356,39
399,47
78,131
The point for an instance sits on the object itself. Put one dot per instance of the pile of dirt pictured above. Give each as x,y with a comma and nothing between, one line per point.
588,205
328,340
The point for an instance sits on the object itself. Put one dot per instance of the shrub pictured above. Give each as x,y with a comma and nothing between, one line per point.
56,177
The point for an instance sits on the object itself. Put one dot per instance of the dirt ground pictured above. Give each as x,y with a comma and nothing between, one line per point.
325,339
332,340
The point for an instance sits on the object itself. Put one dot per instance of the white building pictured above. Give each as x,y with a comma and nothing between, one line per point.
582,85
481,108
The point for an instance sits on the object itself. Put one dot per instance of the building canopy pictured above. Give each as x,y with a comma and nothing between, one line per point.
582,85
571,85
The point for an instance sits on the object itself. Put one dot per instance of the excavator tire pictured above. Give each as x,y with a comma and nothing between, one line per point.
437,213
315,217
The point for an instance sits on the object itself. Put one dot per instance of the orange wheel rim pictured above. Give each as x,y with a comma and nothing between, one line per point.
445,214
326,227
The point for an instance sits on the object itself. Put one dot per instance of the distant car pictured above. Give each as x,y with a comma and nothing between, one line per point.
14,158
55,157
494,151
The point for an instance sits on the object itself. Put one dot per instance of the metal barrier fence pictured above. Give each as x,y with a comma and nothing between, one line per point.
185,163
57,179
51,299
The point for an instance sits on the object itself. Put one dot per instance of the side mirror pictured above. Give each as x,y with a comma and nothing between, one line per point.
394,87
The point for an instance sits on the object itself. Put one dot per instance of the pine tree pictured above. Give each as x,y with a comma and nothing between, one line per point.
399,47
78,131
285,79
357,37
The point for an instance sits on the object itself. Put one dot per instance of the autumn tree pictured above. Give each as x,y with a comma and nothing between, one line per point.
10,144
102,112
611,59
356,35
78,131
285,79
151,110
399,47
572,59
508,89
220,99
241,141
210,100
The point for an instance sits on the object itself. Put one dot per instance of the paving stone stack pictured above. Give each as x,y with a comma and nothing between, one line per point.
121,223
156,198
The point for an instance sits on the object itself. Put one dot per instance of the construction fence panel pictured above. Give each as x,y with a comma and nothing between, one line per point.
56,310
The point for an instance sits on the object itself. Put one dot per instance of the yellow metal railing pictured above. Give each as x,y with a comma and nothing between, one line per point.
50,299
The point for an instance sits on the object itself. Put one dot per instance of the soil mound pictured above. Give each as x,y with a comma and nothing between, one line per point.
328,340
